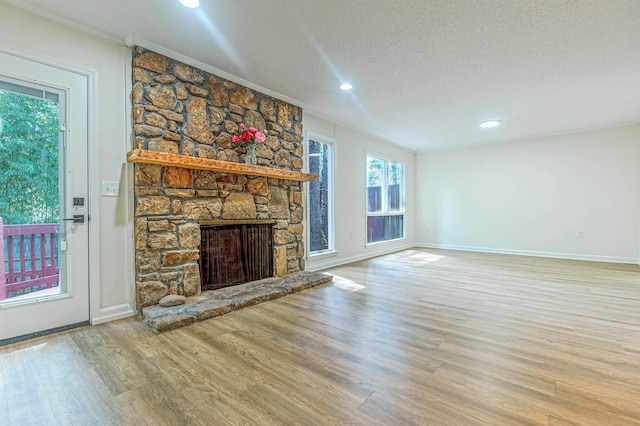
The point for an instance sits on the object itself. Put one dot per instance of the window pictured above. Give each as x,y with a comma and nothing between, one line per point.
385,200
320,196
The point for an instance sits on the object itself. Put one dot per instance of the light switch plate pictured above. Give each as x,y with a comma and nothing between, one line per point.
110,189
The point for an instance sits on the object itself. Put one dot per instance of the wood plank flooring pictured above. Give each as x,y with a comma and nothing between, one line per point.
427,337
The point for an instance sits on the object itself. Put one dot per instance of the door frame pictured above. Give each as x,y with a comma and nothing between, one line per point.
93,193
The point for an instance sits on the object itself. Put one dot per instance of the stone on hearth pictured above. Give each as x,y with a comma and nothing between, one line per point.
172,300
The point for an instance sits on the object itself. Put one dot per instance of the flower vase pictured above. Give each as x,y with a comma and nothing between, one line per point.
250,157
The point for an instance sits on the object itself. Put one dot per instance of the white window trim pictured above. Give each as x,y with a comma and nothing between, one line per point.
331,251
403,212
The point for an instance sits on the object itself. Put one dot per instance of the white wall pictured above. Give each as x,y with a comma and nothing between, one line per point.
110,228
533,195
350,193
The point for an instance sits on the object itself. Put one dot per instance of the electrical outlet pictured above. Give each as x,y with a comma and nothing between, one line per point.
579,233
110,189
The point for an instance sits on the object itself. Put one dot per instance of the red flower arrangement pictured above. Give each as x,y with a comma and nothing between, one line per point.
248,136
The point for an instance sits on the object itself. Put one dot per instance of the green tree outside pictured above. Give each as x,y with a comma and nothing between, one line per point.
29,138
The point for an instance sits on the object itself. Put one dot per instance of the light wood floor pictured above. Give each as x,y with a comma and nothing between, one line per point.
418,337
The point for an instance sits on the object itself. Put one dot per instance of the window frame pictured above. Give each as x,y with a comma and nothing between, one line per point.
385,201
331,250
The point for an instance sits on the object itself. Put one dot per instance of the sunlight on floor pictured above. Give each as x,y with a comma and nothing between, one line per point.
346,284
419,256
30,348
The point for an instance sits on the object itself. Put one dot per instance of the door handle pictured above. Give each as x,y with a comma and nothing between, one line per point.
77,218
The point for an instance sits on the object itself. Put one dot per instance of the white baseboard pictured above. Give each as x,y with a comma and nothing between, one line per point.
572,256
333,262
113,313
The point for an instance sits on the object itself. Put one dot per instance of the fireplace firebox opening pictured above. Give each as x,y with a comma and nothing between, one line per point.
235,252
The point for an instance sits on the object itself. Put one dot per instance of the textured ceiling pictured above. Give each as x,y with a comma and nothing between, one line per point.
425,72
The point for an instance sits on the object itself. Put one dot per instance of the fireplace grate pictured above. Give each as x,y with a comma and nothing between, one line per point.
235,254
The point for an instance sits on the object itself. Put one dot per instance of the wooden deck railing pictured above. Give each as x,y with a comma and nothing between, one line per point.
28,259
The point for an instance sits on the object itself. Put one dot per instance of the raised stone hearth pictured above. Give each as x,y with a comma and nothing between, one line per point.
209,304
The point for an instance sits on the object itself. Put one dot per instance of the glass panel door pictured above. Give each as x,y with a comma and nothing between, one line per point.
44,281
30,145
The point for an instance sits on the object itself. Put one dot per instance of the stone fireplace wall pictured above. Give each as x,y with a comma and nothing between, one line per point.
179,109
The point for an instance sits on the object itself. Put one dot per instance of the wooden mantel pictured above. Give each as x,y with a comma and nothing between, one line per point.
187,162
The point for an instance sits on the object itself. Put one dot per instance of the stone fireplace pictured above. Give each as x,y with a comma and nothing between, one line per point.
178,109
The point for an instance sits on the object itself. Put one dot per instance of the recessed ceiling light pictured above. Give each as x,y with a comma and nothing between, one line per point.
192,4
490,123
346,86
